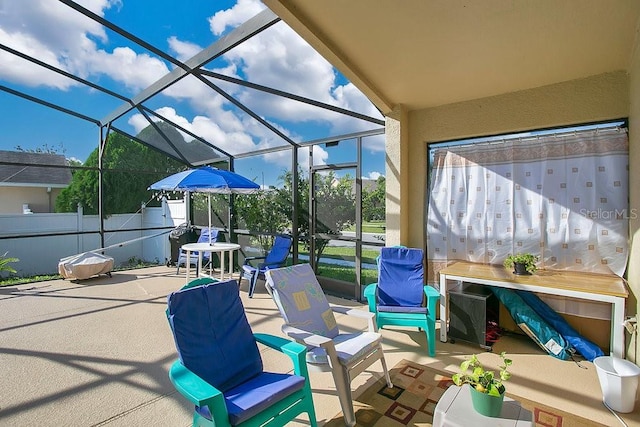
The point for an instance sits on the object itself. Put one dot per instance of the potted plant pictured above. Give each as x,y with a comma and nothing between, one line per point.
487,390
522,263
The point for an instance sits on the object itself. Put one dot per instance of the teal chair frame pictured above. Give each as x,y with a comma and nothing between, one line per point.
421,321
201,393
427,321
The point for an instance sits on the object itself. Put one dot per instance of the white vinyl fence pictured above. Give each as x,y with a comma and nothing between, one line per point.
40,255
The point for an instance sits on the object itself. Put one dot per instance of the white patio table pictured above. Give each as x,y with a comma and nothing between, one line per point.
455,409
215,247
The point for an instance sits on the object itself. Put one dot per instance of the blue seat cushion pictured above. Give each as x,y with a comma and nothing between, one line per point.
256,395
400,277
212,334
397,309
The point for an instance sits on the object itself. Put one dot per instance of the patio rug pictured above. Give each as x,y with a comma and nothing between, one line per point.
413,399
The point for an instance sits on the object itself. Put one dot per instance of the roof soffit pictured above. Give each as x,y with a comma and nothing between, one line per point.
425,54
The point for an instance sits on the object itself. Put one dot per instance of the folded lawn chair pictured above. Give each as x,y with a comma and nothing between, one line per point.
400,297
205,234
277,257
309,320
220,369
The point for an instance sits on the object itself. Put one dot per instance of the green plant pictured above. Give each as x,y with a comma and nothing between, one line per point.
474,374
4,263
527,259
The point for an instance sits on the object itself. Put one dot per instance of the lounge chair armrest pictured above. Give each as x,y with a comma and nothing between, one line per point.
433,296
354,312
305,337
370,295
195,389
314,340
296,352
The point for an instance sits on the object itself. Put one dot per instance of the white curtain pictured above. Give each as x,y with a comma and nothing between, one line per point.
563,197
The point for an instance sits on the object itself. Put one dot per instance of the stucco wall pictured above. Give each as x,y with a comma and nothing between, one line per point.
597,98
397,151
37,197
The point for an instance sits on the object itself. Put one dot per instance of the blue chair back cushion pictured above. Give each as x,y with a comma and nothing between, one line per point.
204,238
400,280
212,334
204,235
279,252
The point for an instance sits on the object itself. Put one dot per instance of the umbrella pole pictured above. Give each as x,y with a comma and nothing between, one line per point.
188,211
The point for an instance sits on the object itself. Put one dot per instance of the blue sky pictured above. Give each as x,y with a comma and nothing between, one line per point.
60,36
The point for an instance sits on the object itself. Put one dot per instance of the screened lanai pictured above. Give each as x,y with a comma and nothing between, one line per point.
195,105
435,71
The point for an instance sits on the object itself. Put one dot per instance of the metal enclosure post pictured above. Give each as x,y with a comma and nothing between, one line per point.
312,212
358,262
295,200
232,211
101,147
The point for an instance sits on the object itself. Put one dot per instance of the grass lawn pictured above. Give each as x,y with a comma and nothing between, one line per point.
346,273
345,253
370,227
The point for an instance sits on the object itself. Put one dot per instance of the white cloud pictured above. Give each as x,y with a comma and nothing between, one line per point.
241,12
374,144
64,38
183,50
374,176
283,158
281,59
278,58
230,135
135,71
18,70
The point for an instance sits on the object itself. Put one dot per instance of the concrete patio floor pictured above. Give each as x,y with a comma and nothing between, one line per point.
97,352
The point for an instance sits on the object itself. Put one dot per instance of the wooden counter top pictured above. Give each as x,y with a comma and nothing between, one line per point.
603,284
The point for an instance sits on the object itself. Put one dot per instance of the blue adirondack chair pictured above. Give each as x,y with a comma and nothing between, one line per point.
220,369
400,297
206,256
275,258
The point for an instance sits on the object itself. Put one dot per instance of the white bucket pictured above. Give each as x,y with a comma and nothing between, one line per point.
619,382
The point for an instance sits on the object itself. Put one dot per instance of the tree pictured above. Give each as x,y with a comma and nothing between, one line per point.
335,206
263,212
44,149
373,202
285,201
125,188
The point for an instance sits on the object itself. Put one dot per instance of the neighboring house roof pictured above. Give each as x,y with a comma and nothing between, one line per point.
369,184
26,173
